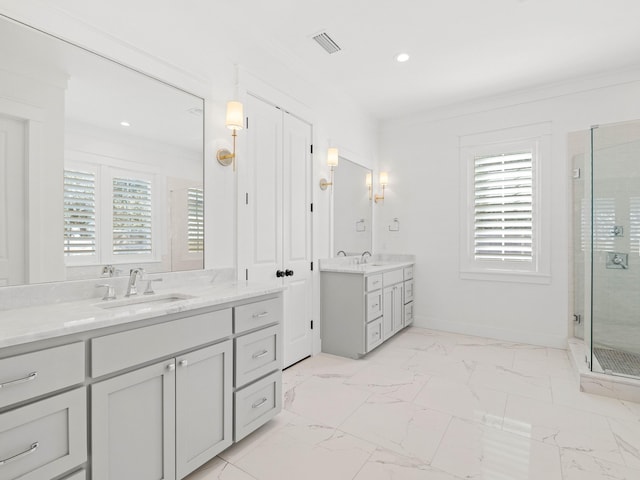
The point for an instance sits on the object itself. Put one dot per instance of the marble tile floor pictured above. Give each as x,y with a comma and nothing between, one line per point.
433,405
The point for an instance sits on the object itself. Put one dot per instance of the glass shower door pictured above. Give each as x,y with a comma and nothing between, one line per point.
615,249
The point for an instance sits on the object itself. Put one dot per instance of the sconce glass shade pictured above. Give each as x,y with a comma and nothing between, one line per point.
332,157
369,180
384,178
235,115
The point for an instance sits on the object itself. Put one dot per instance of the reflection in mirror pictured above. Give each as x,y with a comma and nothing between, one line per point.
352,209
103,166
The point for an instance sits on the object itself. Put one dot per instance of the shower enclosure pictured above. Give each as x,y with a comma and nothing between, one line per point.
607,246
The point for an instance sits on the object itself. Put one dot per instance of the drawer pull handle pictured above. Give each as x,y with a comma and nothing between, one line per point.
184,363
260,315
259,354
33,448
28,378
259,403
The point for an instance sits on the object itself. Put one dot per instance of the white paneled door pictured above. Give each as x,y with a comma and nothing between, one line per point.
12,202
274,218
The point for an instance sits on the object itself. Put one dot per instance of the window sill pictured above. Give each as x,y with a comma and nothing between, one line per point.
507,276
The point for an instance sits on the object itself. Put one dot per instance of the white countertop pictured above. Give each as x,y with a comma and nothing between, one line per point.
367,265
28,324
364,268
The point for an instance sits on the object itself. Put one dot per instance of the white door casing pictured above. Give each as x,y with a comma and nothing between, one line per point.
12,201
274,217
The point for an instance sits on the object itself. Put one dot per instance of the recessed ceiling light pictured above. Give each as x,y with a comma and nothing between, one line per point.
125,124
402,57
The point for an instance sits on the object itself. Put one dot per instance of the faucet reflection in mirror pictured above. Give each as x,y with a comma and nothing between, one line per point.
234,121
332,162
383,180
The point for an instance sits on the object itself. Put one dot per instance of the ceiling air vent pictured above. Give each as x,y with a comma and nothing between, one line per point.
326,42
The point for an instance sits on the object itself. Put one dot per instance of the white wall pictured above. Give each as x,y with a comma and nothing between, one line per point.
421,155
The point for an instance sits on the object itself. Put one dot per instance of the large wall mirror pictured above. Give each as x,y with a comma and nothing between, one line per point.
352,209
101,166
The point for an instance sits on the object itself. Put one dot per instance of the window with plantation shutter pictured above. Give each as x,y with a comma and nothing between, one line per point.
132,217
79,213
505,205
195,228
108,215
503,215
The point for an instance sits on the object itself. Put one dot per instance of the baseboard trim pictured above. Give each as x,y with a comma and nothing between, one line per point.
532,338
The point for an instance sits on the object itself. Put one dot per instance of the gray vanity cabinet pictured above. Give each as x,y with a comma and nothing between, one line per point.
159,394
361,310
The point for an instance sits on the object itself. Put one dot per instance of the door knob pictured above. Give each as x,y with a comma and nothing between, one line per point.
288,273
280,273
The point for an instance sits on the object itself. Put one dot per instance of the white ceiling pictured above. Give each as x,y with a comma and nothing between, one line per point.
460,49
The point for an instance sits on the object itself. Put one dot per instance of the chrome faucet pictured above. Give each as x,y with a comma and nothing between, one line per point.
341,252
132,289
363,254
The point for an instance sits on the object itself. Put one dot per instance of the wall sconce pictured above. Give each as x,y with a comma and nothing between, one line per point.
369,182
384,180
234,121
332,162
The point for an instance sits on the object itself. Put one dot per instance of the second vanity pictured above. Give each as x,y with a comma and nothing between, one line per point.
364,303
154,389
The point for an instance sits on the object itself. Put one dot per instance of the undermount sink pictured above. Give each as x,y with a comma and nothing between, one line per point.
144,300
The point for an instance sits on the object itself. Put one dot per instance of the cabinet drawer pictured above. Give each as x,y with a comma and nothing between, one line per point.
133,347
374,334
81,475
44,439
392,277
373,282
257,314
374,305
408,272
257,354
408,314
33,374
256,404
408,291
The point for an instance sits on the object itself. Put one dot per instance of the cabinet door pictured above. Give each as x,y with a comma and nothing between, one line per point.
387,312
133,425
203,405
398,308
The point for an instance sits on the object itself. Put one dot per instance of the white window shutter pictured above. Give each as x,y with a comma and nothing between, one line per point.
503,207
132,216
79,213
195,228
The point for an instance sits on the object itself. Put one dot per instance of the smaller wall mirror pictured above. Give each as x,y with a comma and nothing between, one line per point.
352,210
